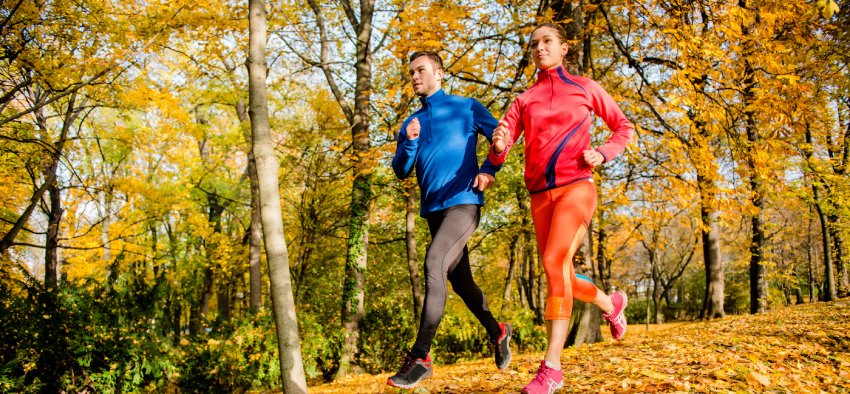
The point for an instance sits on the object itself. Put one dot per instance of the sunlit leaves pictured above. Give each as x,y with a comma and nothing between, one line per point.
799,349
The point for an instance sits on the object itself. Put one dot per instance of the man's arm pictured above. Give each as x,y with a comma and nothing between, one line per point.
406,148
484,124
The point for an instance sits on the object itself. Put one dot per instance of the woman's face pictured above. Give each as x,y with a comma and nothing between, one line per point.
547,50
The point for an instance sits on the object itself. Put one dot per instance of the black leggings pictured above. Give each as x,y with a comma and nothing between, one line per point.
448,258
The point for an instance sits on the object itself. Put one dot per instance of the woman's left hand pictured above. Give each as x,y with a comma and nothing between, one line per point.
593,158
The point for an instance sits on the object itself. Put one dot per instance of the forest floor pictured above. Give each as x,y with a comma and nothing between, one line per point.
799,349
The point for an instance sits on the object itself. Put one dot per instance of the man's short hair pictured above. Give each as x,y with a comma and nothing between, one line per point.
433,56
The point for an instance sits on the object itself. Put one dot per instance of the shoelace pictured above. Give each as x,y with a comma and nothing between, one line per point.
407,363
495,345
616,319
541,374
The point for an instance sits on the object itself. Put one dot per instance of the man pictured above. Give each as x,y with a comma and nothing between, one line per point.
439,141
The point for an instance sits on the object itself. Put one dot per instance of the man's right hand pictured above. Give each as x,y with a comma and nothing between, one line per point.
413,129
500,137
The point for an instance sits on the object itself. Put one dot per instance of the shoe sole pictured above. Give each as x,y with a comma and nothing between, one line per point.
510,355
411,385
622,311
554,389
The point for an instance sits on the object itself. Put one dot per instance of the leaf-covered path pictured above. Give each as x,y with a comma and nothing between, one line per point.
800,349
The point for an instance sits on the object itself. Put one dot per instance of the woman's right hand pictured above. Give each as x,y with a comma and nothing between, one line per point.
500,137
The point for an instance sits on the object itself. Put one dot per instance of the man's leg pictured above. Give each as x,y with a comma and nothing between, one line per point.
464,285
447,241
449,233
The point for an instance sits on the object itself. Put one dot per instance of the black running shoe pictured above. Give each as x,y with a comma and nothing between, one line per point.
502,347
413,370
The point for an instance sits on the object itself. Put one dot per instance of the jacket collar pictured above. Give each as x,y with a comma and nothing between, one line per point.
551,73
435,98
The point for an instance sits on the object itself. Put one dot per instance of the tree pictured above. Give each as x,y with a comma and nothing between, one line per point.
289,344
359,19
687,120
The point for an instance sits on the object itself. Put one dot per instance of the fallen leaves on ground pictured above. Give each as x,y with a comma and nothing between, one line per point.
799,349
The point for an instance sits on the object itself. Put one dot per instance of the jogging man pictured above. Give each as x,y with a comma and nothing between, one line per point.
439,140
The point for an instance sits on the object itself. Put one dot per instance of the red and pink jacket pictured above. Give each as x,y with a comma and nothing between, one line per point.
556,115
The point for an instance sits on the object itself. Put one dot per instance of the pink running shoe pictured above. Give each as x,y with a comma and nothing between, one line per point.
617,318
546,382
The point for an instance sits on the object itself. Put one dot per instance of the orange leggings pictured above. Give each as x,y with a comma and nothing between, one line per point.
561,217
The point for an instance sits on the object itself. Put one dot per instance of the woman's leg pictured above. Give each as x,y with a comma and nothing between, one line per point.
560,217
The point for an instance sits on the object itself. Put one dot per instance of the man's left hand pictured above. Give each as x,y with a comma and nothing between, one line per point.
483,181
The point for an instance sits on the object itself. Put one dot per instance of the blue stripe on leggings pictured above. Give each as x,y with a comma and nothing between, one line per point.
580,276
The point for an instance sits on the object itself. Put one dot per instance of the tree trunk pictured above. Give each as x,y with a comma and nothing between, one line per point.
829,292
648,302
656,297
214,219
570,15
586,317
174,305
106,220
541,288
652,277
51,243
522,282
601,260
283,304
358,228
51,186
509,278
194,318
255,239
798,294
176,318
528,260
206,296
809,257
410,242
840,160
255,231
841,280
535,285
50,170
223,300
758,282
714,281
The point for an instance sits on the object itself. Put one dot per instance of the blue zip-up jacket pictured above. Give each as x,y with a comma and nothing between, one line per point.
444,153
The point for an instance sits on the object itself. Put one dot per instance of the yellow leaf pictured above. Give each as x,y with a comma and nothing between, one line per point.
830,9
754,377
655,375
719,374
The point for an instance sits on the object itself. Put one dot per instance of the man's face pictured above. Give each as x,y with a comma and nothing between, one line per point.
425,79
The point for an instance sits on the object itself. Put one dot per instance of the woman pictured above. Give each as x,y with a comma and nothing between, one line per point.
556,115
